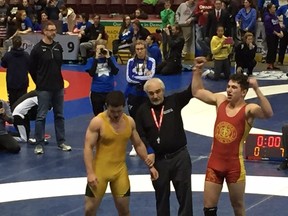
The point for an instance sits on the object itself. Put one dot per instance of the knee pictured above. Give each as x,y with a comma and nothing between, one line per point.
90,210
238,205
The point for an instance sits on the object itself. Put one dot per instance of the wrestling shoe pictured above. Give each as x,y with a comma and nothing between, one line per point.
64,147
39,149
132,152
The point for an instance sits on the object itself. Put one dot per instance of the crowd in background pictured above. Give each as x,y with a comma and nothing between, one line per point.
223,30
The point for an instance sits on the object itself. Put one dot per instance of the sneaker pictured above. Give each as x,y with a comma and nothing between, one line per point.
206,72
32,141
132,152
39,149
64,147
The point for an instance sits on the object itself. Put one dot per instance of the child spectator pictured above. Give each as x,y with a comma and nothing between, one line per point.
221,48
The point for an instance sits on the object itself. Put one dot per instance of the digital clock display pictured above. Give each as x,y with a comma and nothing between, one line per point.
264,147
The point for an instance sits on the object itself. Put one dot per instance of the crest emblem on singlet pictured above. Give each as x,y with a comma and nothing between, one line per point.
225,132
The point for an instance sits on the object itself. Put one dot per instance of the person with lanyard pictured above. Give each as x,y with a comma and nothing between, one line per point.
160,126
139,69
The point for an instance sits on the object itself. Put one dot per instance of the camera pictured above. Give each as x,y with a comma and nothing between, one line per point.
103,51
158,31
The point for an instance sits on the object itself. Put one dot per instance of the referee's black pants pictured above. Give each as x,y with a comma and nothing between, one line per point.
177,169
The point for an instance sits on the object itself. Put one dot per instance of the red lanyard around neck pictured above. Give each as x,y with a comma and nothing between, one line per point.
158,124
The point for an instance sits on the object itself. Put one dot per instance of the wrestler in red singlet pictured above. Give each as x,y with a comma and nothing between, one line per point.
226,158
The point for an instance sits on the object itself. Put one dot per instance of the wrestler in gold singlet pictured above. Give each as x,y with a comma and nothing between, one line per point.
109,162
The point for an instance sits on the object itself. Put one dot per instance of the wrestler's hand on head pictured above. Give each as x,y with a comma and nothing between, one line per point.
92,180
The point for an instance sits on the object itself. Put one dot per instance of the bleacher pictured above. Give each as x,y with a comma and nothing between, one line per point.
107,7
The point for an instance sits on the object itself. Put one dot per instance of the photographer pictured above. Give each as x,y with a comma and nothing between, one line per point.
7,142
176,42
168,19
102,68
139,69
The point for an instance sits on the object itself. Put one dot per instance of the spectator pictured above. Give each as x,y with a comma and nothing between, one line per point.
273,33
52,10
7,142
139,33
68,16
35,24
28,9
109,133
160,126
46,61
24,111
38,6
139,14
215,18
262,6
102,68
282,11
233,122
173,64
125,36
139,69
153,49
14,6
23,22
3,21
184,17
221,48
94,33
232,7
201,12
246,18
17,63
44,18
82,22
168,19
245,54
